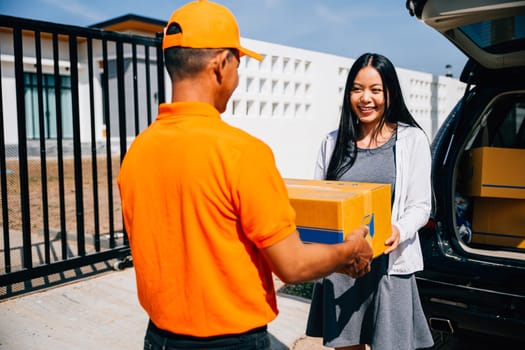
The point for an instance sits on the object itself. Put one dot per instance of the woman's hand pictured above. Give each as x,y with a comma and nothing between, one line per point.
393,241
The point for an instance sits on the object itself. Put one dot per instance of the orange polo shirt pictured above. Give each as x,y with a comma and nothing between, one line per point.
199,200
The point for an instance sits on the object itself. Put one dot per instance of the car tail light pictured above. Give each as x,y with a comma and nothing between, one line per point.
430,225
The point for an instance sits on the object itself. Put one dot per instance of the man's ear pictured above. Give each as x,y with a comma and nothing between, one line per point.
218,63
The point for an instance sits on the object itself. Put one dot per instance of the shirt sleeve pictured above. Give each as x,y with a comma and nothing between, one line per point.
415,210
262,198
324,155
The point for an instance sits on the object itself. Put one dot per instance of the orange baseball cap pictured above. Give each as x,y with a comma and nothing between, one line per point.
204,25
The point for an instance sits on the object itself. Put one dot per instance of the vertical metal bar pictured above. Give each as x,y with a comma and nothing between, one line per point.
160,69
22,148
121,91
137,115
42,135
94,168
3,185
109,172
122,115
60,150
148,83
135,88
77,147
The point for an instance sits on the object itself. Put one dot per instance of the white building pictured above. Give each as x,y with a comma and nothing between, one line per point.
290,100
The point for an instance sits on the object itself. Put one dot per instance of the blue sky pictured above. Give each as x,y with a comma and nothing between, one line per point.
341,27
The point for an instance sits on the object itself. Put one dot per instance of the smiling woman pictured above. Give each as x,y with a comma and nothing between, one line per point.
377,141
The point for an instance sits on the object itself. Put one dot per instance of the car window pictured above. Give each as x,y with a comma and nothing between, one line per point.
505,126
497,36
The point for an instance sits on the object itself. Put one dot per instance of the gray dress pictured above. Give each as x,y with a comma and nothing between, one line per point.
377,309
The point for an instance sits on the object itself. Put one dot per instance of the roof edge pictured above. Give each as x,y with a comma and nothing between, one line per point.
128,17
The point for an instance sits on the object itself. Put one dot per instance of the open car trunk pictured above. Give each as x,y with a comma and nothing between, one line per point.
473,280
489,173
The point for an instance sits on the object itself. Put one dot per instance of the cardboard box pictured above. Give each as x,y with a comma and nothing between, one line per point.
499,222
495,172
326,211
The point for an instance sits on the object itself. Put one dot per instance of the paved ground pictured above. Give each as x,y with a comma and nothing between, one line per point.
103,312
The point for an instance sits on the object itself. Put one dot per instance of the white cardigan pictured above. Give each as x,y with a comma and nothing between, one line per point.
412,195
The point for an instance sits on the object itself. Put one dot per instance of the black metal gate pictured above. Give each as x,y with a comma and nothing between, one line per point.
72,99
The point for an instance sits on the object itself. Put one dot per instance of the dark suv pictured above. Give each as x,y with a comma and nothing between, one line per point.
473,284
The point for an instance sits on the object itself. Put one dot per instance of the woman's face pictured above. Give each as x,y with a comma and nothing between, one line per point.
367,96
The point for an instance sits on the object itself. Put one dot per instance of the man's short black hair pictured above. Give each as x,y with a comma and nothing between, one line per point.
185,62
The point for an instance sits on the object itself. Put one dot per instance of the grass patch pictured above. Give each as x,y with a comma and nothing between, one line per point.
303,290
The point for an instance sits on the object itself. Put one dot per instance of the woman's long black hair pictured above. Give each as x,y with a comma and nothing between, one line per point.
345,149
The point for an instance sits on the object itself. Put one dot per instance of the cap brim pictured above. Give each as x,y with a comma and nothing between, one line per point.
243,51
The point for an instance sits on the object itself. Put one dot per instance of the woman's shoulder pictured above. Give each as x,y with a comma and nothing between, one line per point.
330,137
409,131
332,134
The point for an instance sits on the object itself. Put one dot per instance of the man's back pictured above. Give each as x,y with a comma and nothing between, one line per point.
207,198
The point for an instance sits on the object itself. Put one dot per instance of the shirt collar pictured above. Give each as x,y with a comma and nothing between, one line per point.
169,110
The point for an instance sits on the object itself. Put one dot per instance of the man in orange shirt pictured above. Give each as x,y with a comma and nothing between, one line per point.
205,208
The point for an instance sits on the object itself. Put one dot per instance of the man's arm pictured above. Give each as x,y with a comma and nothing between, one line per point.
294,261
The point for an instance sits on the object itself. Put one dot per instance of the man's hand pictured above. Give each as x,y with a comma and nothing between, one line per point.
294,261
360,253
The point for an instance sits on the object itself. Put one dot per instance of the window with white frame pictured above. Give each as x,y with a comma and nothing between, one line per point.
50,110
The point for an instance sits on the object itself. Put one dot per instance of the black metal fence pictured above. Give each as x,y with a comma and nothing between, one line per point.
72,99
